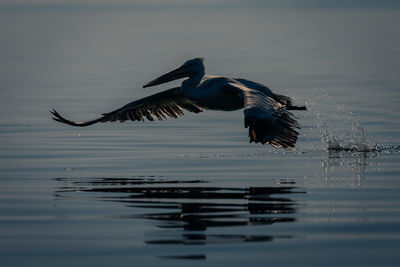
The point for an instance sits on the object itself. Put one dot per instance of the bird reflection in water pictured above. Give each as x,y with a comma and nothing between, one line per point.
191,207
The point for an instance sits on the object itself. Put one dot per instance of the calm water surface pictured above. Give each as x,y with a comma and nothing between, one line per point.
193,191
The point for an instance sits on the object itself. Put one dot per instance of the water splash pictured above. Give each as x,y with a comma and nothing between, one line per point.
356,144
351,137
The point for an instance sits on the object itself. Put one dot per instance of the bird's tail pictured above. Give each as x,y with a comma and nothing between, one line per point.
287,102
296,107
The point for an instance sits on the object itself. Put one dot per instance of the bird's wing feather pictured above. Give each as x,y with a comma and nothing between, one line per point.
161,105
268,120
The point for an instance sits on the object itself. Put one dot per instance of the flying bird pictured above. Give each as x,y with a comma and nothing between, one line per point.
266,114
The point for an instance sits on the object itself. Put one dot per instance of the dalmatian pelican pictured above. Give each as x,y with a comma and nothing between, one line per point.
266,114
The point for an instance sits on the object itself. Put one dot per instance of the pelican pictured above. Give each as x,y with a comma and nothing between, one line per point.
265,113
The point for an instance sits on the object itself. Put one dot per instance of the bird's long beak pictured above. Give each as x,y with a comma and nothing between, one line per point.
178,73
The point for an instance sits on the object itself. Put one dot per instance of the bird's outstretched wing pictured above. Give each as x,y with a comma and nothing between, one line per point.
166,103
268,121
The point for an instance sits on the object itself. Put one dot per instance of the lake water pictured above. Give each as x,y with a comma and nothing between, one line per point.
193,191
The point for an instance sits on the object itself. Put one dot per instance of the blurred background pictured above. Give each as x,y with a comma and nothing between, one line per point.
340,58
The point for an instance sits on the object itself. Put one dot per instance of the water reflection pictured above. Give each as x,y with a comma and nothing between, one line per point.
351,165
355,161
190,207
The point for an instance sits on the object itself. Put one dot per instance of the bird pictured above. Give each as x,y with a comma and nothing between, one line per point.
267,115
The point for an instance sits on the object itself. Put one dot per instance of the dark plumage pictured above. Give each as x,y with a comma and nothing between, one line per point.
266,114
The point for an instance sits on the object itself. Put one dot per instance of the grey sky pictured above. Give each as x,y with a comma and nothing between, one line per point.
231,3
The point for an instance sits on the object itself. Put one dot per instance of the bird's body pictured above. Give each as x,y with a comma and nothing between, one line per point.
209,94
266,113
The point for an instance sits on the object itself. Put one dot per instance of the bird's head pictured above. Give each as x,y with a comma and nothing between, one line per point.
189,68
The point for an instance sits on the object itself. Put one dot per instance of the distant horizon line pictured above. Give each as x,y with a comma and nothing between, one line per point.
123,5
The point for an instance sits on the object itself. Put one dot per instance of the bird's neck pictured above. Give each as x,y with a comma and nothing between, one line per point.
193,80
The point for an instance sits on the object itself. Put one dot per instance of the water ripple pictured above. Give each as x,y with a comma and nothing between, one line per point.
191,207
